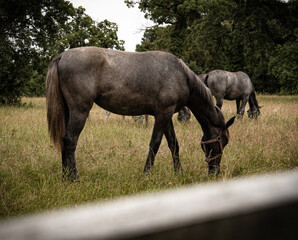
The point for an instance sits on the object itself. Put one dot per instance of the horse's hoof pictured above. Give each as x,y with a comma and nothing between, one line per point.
147,171
178,171
72,176
239,116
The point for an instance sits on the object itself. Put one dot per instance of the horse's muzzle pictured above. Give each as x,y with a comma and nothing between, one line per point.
213,169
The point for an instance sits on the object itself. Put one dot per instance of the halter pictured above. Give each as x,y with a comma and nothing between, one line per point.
253,113
208,159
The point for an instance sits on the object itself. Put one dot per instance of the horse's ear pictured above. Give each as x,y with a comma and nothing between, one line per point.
230,122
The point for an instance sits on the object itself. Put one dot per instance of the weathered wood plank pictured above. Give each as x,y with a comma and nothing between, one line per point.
258,207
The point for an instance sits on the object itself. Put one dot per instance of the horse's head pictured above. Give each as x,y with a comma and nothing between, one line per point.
214,143
254,113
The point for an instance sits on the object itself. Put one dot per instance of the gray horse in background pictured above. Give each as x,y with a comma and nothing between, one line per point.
232,86
135,118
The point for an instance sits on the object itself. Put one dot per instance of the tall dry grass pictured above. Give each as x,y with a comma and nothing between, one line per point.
111,155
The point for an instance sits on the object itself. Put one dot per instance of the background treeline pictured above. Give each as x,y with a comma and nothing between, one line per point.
32,32
258,37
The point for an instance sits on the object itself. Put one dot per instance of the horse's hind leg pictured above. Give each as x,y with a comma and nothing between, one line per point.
158,130
74,126
219,102
173,145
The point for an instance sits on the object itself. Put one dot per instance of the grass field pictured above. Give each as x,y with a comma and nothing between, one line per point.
111,155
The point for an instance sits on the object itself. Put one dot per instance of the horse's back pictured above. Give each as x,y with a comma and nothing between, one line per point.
123,82
107,63
230,85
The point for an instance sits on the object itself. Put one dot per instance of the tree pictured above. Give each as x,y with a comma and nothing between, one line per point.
177,15
83,31
27,28
33,32
156,38
283,65
236,35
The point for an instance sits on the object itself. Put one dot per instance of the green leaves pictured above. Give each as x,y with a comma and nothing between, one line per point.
251,36
33,32
284,67
83,31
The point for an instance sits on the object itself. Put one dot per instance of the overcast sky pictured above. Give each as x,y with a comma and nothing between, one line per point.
130,21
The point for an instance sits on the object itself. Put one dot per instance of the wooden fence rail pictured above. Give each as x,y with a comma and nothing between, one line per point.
257,207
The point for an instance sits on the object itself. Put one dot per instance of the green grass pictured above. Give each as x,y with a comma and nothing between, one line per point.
111,155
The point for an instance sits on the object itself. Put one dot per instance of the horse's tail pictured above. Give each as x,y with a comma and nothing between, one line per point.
55,105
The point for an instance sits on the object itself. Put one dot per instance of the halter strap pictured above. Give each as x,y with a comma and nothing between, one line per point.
217,139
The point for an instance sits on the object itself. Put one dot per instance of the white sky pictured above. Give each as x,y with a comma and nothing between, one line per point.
130,21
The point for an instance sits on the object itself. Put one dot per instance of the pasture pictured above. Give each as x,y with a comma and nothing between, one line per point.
111,155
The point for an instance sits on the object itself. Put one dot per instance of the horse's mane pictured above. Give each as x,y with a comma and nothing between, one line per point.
196,85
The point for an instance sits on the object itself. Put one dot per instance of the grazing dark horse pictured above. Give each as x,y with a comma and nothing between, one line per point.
232,86
125,83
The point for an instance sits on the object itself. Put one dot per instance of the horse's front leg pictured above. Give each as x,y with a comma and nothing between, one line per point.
173,145
158,131
219,102
243,104
238,106
146,120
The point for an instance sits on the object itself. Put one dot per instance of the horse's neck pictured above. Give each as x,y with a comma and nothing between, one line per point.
207,120
201,102
204,111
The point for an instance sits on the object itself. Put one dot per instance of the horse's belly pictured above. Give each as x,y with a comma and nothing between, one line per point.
126,105
233,93
231,97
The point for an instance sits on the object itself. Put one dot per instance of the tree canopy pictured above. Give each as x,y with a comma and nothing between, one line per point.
258,37
32,32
